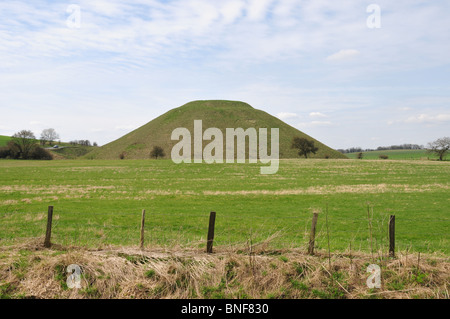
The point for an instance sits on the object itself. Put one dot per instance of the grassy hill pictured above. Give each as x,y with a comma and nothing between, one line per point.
71,152
4,140
215,113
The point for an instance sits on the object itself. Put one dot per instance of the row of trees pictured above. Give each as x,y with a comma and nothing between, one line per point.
383,148
401,147
83,143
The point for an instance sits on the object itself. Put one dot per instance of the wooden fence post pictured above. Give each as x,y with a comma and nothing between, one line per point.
392,236
142,229
212,221
48,233
312,236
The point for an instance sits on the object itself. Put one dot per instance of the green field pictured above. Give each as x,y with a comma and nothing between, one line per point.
99,202
396,155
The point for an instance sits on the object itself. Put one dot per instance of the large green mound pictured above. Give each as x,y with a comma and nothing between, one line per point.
220,114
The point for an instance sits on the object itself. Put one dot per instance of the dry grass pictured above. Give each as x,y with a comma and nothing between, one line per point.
30,271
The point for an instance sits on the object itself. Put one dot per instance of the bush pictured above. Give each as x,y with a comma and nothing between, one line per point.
157,151
5,152
14,150
359,155
383,157
38,153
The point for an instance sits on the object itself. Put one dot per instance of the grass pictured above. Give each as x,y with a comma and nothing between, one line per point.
99,203
396,155
182,274
4,140
71,151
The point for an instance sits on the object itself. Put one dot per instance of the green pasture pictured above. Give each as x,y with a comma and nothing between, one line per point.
99,203
4,140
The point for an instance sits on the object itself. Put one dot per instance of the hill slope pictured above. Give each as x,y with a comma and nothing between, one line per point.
219,114
4,140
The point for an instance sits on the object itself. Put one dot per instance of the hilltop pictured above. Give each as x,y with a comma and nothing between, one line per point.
214,113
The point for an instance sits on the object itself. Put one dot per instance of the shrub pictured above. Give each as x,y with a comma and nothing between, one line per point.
5,152
38,153
157,151
14,150
383,157
359,155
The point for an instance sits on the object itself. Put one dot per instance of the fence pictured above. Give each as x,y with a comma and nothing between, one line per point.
308,231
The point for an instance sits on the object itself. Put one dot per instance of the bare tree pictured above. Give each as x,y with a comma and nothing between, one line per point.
48,136
23,143
304,146
440,147
157,152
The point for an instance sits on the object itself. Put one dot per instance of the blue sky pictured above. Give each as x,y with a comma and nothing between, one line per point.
314,64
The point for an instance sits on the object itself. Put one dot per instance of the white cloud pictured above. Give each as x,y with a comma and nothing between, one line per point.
317,114
285,116
315,124
257,9
429,119
231,10
343,55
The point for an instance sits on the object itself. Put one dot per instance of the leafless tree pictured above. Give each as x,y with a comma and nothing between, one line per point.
48,136
440,147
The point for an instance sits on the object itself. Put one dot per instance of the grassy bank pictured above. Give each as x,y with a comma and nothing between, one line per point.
29,271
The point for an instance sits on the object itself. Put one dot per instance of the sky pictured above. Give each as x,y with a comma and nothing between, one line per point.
346,72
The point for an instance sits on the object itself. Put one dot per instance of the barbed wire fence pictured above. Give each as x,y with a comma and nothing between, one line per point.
242,233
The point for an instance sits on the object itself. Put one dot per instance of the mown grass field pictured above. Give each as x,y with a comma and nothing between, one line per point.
396,155
99,203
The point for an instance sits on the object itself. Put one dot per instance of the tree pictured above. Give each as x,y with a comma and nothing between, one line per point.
22,143
48,136
157,152
304,146
440,147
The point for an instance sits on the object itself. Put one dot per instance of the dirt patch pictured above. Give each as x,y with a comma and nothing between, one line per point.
333,189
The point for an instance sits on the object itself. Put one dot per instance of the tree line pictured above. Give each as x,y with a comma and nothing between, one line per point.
382,148
83,143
